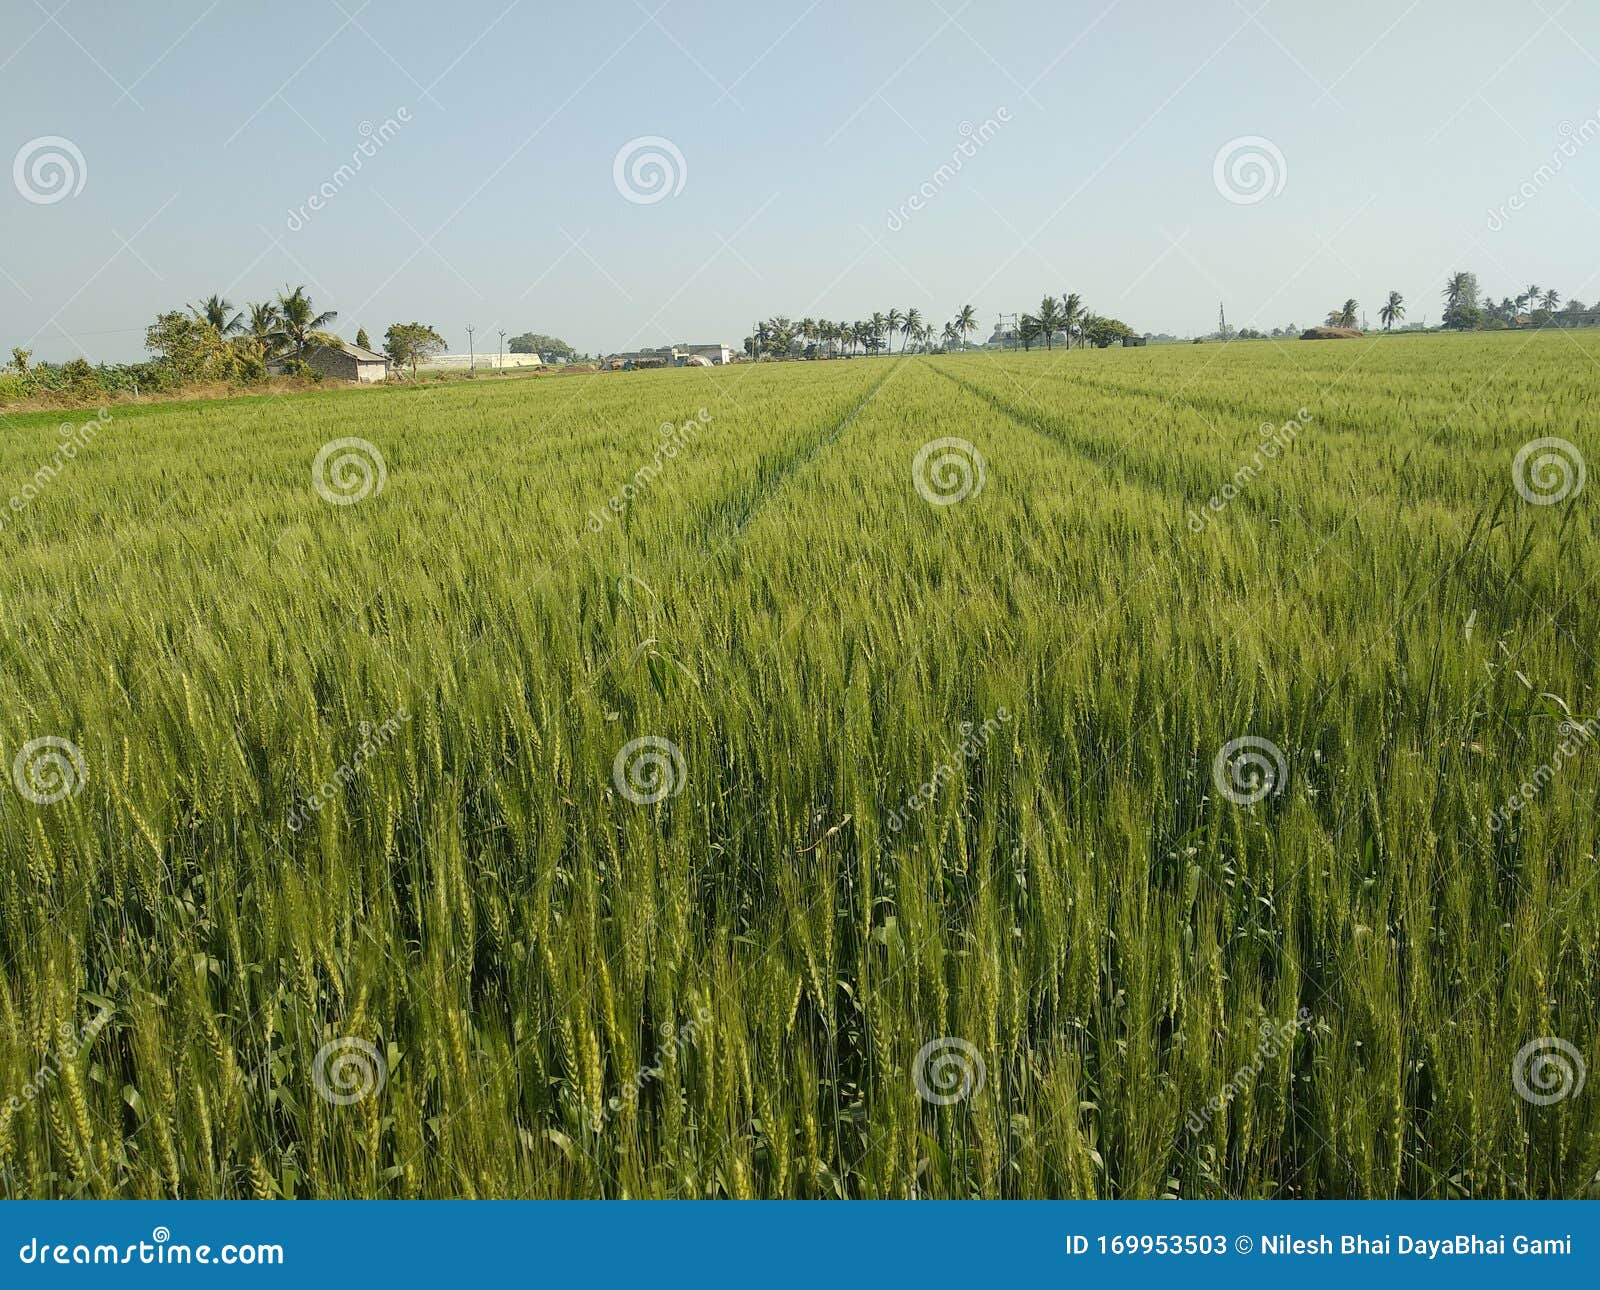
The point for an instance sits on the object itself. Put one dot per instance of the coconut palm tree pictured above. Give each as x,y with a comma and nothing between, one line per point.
1529,298
1552,299
879,325
1456,289
1394,309
949,336
219,313
1072,314
894,320
1049,320
297,320
262,327
966,322
910,324
1347,315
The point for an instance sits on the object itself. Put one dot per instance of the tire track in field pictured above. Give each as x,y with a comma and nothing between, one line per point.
737,510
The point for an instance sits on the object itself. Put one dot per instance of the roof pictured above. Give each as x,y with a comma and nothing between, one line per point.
359,354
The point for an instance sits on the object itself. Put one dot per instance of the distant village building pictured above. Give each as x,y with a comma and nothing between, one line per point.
343,362
714,355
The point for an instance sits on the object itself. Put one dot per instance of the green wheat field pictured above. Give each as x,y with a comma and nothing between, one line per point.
693,784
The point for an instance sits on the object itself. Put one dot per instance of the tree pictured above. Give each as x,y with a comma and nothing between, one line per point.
949,335
910,325
1028,330
1394,309
532,342
190,346
361,338
262,329
1072,315
1106,331
216,311
894,320
297,320
1048,321
19,359
1347,314
407,343
1552,299
966,322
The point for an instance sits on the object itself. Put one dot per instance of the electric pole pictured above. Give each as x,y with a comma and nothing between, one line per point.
501,361
472,358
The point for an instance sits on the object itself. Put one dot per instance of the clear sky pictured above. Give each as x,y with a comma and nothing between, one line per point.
803,129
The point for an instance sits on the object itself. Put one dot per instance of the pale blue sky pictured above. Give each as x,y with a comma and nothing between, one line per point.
801,127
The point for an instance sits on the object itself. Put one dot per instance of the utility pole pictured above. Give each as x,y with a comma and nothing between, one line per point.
472,358
1000,327
501,361
1222,323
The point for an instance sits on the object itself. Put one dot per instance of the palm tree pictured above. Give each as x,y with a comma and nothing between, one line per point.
1072,314
262,328
894,320
1455,289
1552,299
879,325
215,310
297,320
1394,309
966,322
909,326
1347,315
1049,320
949,335
1530,296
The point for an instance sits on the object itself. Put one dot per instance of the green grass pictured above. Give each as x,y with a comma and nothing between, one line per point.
725,992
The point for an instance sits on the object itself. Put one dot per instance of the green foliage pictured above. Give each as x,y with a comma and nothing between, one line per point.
725,992
532,342
407,344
